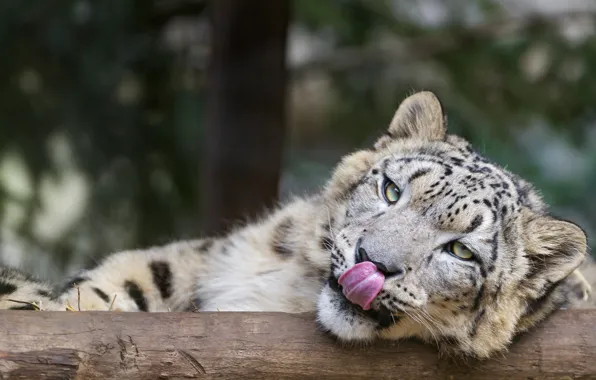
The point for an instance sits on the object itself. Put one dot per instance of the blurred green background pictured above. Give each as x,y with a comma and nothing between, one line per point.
102,107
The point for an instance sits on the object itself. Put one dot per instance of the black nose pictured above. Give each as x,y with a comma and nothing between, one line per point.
361,256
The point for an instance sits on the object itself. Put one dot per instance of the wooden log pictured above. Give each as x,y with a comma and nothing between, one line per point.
102,345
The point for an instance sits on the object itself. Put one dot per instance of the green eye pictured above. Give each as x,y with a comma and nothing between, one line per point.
460,251
391,192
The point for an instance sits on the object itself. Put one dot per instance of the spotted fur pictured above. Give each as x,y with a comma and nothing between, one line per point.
21,292
523,267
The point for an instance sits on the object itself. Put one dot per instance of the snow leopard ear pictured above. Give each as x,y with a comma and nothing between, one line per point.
554,248
420,116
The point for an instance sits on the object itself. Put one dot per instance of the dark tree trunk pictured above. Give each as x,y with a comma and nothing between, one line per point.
246,110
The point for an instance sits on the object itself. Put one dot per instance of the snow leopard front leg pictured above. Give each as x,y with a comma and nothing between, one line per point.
155,279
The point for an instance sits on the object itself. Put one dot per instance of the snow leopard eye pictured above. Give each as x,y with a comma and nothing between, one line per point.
459,250
391,193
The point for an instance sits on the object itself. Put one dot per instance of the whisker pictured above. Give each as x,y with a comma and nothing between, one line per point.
431,319
433,322
422,322
333,233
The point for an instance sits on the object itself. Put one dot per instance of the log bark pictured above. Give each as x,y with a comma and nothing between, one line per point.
246,110
102,345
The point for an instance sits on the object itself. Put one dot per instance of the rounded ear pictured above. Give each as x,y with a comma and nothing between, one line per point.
574,291
420,116
554,249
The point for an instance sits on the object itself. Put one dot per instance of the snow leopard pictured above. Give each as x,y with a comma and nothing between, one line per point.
417,236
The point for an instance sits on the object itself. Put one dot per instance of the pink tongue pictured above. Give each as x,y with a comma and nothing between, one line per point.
361,283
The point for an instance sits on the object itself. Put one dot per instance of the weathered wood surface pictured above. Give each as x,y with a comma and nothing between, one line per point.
100,345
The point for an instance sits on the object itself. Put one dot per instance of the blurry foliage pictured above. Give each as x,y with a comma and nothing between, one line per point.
100,76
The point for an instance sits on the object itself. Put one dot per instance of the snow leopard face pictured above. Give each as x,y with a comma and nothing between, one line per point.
437,242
